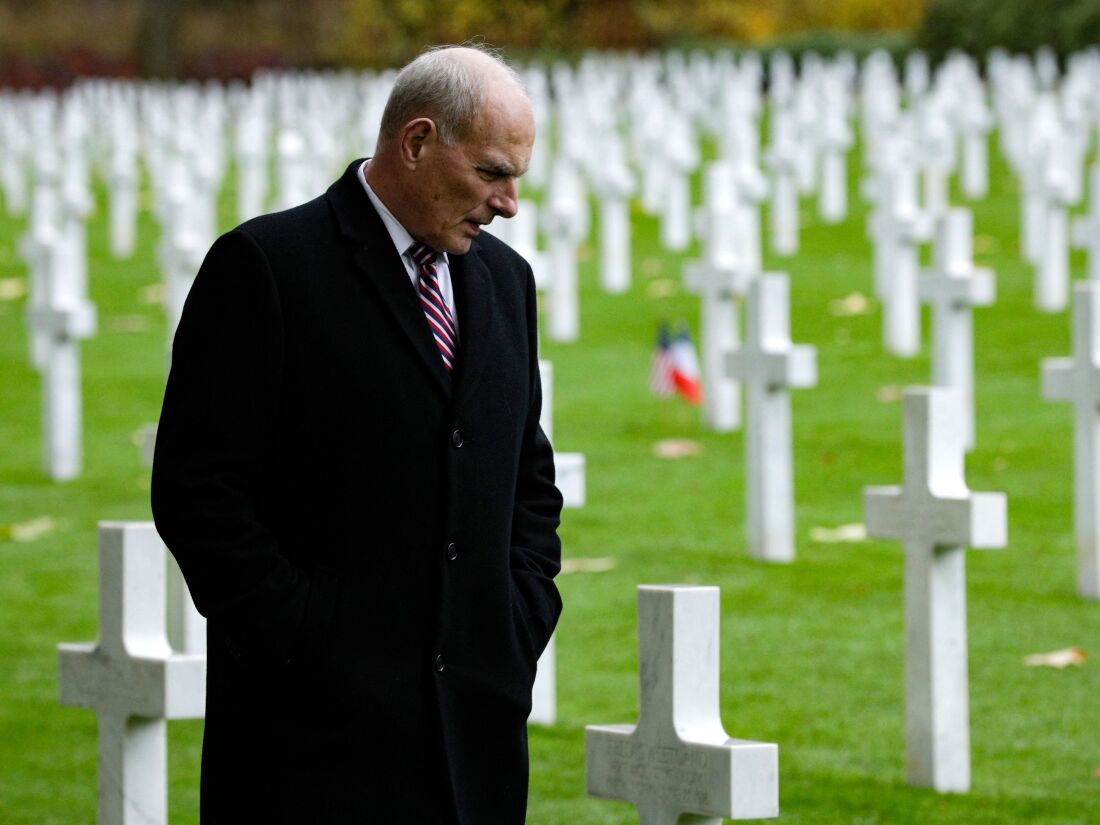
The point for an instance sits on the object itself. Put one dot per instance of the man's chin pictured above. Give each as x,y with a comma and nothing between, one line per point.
459,246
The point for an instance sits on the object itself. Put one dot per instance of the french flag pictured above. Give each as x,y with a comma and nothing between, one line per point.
685,367
675,367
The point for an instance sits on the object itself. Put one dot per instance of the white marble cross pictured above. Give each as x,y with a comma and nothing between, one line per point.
131,678
769,365
976,124
681,159
39,247
124,176
937,149
902,228
936,517
782,158
15,146
253,152
565,224
1052,273
1077,379
60,317
836,139
63,320
721,279
569,476
614,183
677,765
1086,228
953,287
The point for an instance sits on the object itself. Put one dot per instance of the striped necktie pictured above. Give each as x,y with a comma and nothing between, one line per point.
435,308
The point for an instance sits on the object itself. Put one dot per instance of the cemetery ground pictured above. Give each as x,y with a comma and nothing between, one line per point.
811,652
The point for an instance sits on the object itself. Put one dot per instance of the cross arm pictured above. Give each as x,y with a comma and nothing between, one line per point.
173,687
735,779
882,511
72,320
1057,379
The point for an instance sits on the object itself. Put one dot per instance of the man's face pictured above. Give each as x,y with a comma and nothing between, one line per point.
465,186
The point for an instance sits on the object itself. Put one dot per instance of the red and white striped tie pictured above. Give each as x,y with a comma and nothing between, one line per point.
435,308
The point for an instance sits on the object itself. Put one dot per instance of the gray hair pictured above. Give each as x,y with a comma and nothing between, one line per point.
436,85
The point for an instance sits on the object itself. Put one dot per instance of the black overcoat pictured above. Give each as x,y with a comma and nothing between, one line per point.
372,541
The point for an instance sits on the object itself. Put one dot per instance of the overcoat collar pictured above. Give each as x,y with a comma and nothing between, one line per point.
382,269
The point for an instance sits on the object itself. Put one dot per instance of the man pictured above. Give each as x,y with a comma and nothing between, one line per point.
350,471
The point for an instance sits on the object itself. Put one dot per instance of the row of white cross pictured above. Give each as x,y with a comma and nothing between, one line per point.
663,106
677,759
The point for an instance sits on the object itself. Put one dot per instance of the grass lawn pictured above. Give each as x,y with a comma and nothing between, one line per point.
812,652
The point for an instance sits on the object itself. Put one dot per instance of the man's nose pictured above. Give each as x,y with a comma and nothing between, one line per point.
505,200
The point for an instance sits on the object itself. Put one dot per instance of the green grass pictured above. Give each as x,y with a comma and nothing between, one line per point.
812,652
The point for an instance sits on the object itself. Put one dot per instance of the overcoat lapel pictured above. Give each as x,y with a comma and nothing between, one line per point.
474,303
381,268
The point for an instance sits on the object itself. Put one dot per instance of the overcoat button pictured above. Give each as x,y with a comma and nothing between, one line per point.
452,551
439,663
456,439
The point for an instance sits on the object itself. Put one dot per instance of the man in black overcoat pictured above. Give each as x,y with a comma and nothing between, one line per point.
363,505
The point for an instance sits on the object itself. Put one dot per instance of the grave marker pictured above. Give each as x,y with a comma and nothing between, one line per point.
903,228
782,157
131,678
1052,275
953,287
769,365
677,764
721,279
565,216
614,184
1077,379
937,518
569,476
1086,228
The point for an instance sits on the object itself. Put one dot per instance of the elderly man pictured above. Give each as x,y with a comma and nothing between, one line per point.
350,471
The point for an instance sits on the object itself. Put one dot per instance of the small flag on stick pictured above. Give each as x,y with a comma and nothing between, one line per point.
660,371
675,367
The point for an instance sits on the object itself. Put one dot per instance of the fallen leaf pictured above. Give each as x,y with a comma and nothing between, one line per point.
677,448
600,565
854,304
889,394
838,535
127,323
1057,658
12,289
26,531
662,288
152,294
652,267
1096,773
984,243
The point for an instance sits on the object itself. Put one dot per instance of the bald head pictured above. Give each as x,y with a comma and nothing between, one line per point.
450,85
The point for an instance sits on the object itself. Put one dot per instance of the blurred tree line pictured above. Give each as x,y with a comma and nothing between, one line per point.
225,38
51,41
977,26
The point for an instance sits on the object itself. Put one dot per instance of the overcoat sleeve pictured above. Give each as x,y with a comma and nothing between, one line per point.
213,456
536,548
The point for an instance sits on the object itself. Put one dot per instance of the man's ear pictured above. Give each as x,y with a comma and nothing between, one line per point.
416,138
